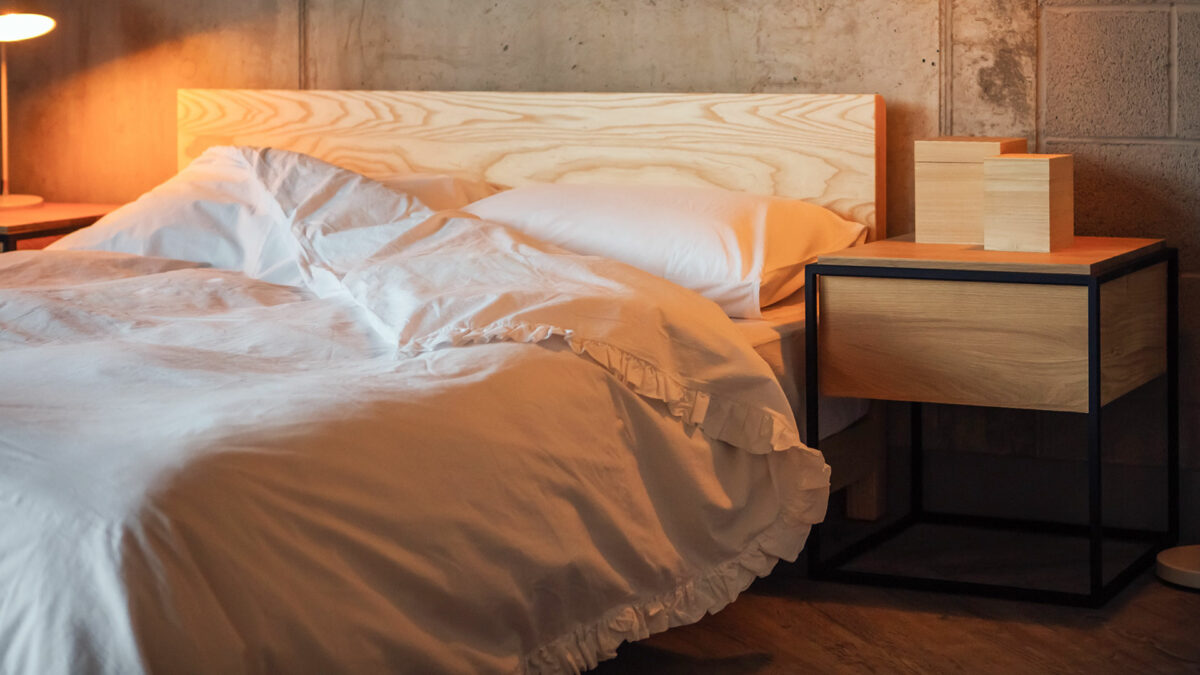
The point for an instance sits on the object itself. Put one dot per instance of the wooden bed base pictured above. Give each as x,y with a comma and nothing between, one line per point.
824,148
857,458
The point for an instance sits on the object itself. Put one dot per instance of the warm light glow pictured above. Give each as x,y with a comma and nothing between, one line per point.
15,27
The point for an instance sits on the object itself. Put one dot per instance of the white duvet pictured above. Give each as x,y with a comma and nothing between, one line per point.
435,446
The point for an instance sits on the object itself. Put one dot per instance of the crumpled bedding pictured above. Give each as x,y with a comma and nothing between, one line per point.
444,448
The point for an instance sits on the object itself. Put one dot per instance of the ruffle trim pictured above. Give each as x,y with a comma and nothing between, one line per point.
752,428
587,645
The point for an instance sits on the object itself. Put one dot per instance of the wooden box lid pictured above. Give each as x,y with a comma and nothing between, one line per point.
965,148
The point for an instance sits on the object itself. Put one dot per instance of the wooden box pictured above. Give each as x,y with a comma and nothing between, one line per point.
949,186
1028,203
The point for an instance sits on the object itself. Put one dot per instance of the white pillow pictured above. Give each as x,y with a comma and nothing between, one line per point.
203,214
236,208
740,250
441,192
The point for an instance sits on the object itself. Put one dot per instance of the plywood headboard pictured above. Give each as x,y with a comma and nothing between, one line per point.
828,149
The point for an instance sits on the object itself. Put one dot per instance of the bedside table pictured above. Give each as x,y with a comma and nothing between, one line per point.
1066,331
47,220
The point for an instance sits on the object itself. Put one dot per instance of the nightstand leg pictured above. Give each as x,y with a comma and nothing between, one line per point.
917,499
812,392
1173,398
812,429
1095,485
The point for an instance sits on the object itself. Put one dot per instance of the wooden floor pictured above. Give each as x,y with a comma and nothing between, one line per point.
787,624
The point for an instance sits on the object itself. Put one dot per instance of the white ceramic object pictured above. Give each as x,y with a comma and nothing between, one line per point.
1180,565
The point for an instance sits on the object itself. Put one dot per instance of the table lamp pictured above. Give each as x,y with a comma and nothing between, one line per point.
14,27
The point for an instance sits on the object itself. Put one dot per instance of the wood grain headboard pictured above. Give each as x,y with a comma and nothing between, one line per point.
828,149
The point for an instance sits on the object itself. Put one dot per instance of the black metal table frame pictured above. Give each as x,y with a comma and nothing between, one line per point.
1094,530
8,242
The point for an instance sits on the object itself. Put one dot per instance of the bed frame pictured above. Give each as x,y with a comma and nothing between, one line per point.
827,149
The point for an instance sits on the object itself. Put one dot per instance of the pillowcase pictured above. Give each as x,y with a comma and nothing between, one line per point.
236,208
440,192
201,214
740,250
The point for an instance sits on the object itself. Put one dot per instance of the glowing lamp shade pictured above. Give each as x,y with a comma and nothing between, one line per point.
15,27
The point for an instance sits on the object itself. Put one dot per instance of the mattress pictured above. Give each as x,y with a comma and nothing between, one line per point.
778,338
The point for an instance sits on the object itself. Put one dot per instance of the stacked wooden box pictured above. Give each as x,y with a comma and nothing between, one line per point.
990,192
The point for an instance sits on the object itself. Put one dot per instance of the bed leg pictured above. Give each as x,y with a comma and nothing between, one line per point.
858,459
866,498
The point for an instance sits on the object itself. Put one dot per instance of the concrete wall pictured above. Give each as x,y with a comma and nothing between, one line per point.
1115,83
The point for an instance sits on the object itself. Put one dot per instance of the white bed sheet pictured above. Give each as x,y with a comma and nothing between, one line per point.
778,337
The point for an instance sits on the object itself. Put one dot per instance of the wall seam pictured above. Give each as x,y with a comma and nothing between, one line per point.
946,71
1125,140
1097,9
1173,78
1191,10
1040,104
302,43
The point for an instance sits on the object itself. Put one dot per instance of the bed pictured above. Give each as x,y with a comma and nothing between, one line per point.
388,439
827,149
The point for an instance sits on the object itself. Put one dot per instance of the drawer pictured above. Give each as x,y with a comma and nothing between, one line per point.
988,344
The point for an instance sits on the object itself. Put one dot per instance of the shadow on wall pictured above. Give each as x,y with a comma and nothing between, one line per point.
1137,190
1151,191
92,34
1129,190
904,125
1125,191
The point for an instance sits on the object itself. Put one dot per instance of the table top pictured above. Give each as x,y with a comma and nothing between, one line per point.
50,215
1088,255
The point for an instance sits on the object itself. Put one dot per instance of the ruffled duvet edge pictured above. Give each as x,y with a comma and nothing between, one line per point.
752,428
587,645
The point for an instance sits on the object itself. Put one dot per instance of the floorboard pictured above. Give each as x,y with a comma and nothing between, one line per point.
789,624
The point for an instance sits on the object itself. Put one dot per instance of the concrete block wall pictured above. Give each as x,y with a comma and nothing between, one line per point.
1115,82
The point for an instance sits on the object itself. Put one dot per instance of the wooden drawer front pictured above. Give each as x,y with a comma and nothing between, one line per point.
989,344
970,343
1133,335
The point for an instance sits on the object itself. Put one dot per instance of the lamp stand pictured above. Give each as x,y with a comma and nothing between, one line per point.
8,201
